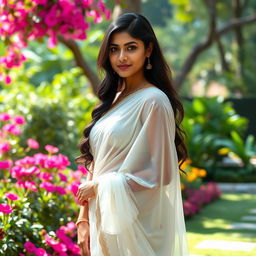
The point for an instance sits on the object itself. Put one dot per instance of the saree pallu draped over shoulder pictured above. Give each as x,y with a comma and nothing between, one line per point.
138,206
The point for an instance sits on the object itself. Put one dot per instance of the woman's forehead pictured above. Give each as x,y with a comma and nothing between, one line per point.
122,38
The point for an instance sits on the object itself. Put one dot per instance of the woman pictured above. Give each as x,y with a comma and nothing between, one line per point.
131,202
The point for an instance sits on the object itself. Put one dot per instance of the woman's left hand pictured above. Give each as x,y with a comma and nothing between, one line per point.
85,191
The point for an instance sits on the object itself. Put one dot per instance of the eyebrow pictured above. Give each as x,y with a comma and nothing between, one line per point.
132,42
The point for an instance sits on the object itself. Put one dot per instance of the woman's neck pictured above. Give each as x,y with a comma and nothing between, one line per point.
132,84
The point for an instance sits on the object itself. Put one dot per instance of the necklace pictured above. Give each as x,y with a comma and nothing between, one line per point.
122,96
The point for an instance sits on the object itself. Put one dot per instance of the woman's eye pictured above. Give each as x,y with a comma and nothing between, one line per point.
131,48
112,49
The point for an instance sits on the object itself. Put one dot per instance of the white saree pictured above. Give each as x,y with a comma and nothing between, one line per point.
133,143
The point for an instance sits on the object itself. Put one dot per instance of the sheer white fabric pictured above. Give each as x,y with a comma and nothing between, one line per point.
138,200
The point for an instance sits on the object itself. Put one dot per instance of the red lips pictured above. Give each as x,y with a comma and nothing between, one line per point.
123,66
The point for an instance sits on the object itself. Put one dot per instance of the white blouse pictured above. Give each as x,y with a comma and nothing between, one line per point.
133,143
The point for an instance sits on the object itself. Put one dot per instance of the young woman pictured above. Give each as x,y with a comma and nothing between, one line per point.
131,203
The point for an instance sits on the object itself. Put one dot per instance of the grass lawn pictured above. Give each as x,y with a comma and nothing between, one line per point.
213,223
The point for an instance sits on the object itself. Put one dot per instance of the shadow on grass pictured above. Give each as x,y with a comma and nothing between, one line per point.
219,215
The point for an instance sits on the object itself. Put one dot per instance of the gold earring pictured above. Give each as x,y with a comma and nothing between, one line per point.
149,66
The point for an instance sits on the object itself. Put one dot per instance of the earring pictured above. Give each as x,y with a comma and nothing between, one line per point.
149,66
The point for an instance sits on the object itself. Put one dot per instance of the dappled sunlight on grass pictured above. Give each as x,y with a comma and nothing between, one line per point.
214,223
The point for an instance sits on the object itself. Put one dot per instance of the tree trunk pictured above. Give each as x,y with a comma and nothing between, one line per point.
239,37
81,62
200,47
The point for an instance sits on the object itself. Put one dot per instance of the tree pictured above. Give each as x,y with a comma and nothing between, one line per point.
64,21
187,10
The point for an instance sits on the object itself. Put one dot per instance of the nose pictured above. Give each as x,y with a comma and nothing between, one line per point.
122,56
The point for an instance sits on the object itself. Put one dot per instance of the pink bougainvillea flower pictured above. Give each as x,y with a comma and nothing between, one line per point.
39,159
62,236
33,143
63,177
69,228
12,129
47,186
63,161
12,196
76,175
27,161
5,164
4,117
45,176
52,16
42,2
33,170
49,240
50,162
51,149
6,208
19,120
52,40
30,185
5,147
30,247
60,247
73,187
60,190
82,169
40,252
74,248
8,80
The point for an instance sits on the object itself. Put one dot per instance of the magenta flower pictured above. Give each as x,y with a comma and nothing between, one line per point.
69,228
5,208
51,18
30,185
5,164
33,143
59,247
40,252
45,176
12,129
42,2
82,169
73,187
74,248
60,190
51,149
19,120
5,147
30,247
4,117
62,236
63,177
12,196
48,186
8,80
27,161
49,240
50,162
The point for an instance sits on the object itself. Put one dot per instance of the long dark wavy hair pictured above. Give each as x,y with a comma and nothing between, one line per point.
138,27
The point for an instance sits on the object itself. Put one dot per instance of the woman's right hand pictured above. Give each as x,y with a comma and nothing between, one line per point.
83,238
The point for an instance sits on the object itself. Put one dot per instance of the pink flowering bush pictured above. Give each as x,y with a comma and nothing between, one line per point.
195,199
37,195
23,21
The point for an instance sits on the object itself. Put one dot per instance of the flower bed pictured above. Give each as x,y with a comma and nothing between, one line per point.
196,199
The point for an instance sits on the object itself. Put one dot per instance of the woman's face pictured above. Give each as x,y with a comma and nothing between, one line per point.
127,55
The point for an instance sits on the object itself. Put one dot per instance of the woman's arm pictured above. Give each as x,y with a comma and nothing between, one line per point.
83,213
